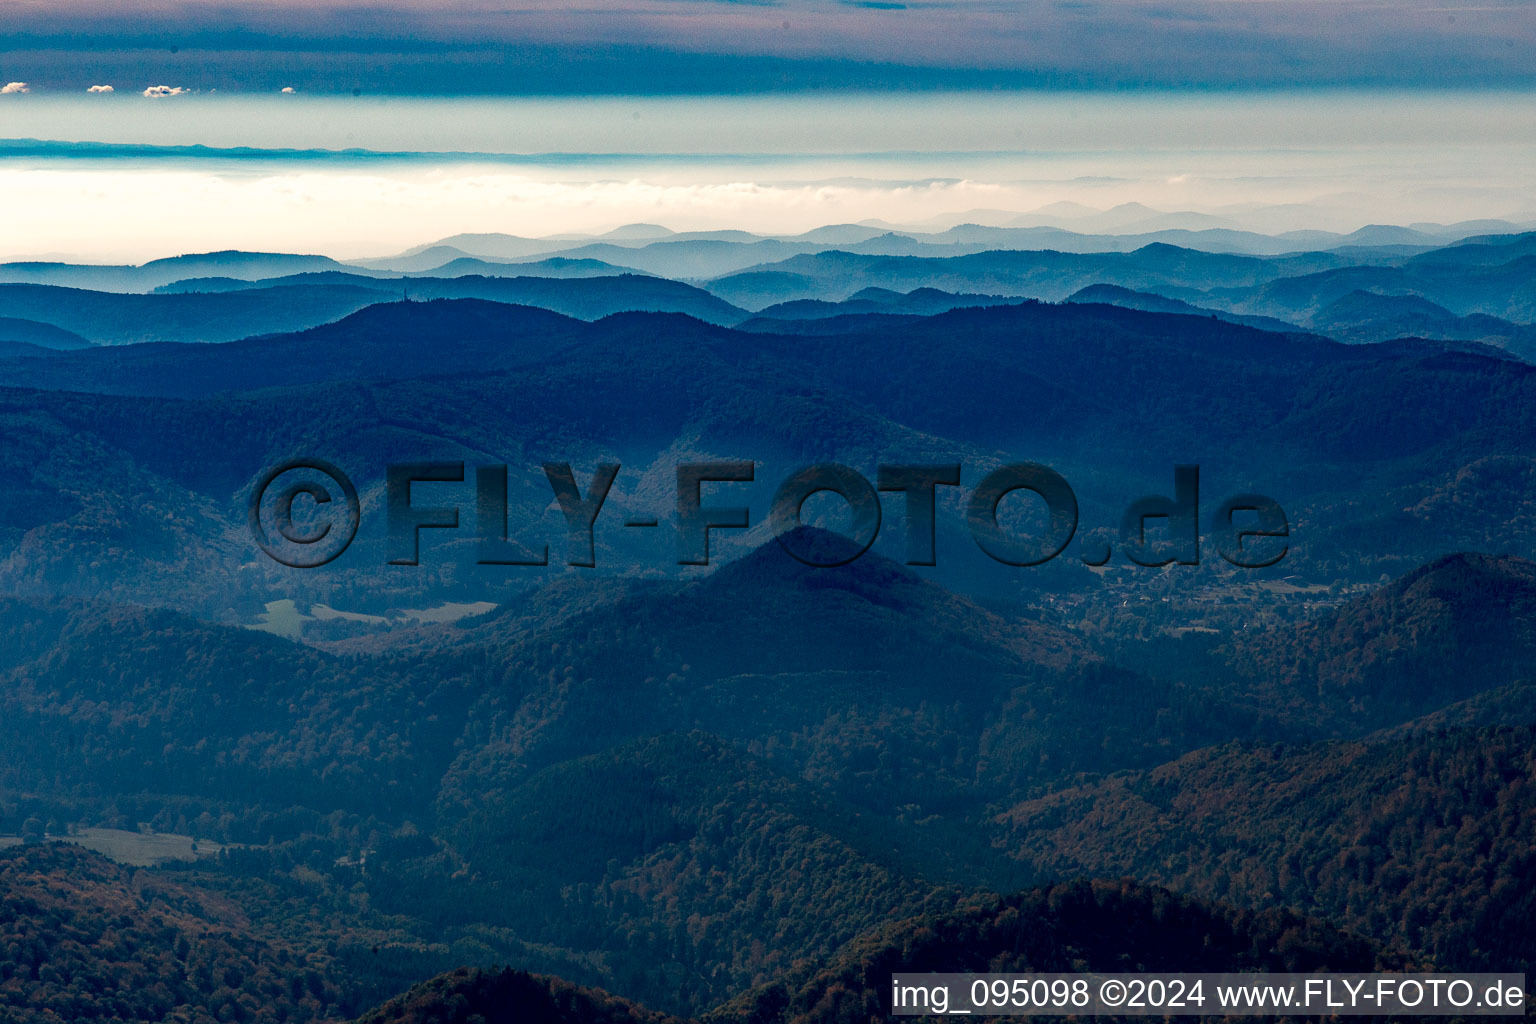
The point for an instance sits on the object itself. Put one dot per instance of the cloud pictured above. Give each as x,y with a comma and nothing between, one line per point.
100,88
288,90
10,87
707,47
155,92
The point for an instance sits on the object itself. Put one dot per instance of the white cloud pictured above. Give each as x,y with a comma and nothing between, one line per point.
288,90
155,92
11,87
100,88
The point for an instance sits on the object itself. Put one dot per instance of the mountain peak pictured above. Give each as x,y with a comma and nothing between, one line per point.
772,563
1468,578
1457,626
638,231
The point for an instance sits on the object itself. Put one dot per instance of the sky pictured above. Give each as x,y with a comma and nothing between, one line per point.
527,47
425,168
536,117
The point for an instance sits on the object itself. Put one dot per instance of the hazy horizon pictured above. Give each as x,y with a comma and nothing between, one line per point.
1271,162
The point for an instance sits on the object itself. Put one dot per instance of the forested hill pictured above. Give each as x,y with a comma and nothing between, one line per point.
82,939
1079,926
1422,841
1463,624
477,996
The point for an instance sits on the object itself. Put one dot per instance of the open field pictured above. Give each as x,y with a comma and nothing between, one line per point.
135,849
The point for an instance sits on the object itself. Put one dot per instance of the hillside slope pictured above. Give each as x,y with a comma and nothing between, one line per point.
1423,842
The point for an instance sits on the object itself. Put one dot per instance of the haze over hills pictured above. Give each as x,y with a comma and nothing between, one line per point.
673,513
1459,285
112,318
1064,226
485,382
1367,316
1114,295
244,266
746,792
290,304
396,283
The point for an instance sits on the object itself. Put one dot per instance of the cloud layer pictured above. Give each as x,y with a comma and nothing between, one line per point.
697,46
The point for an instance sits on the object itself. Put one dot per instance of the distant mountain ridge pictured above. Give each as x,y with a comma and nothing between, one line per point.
31,332
246,266
1114,295
227,312
1370,286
